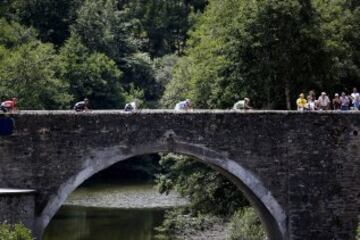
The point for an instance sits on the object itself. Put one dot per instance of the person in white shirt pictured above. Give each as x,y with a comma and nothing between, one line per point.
355,94
311,104
183,105
323,102
242,105
131,106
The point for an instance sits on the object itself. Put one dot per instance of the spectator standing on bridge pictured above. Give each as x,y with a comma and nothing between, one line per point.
345,102
311,104
8,105
354,94
82,106
183,105
336,102
356,103
242,104
301,102
312,94
324,102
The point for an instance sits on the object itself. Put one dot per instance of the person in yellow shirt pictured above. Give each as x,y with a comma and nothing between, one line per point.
301,102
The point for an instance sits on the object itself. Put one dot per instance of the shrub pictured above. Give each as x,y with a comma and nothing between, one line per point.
14,232
245,225
181,223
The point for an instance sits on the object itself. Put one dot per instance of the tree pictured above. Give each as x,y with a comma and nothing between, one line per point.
266,50
100,26
352,36
13,34
51,18
245,224
178,88
91,75
29,72
208,191
17,231
286,51
162,25
163,68
29,69
139,73
205,60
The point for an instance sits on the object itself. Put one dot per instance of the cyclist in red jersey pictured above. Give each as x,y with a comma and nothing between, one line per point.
8,105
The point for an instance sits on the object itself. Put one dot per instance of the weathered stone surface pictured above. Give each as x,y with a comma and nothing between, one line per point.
17,206
300,169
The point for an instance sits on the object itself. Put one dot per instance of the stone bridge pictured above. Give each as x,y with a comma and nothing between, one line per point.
300,170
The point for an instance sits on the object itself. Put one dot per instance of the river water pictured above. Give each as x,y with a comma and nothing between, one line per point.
111,212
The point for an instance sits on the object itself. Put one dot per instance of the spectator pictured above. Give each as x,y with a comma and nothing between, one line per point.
336,102
323,102
311,104
301,102
82,106
8,105
354,94
312,94
242,104
345,102
184,105
356,103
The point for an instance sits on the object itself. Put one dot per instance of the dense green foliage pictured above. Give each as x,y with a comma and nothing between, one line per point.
14,232
91,74
29,69
51,18
180,224
269,51
54,53
161,25
208,191
99,25
245,225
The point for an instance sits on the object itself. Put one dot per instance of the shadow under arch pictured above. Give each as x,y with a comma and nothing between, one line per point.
271,213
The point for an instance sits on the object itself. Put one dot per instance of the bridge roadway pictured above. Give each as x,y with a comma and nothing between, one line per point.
300,170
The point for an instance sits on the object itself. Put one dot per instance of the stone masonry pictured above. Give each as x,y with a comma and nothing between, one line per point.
300,170
17,206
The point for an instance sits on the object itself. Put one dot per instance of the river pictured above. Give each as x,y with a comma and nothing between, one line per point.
112,212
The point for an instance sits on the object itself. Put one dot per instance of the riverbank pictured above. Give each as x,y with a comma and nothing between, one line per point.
125,196
180,225
214,230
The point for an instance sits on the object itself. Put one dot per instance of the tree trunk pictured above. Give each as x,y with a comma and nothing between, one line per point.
287,94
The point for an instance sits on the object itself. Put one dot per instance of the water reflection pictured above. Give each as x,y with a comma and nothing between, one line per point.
111,212
80,223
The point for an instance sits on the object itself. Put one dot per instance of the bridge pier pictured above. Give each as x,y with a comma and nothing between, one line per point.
17,206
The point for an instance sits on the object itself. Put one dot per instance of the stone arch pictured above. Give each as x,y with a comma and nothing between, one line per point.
271,213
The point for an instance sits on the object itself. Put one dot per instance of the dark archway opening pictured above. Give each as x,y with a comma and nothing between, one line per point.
120,202
270,212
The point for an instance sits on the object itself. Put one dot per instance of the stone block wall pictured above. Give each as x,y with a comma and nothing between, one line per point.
17,207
